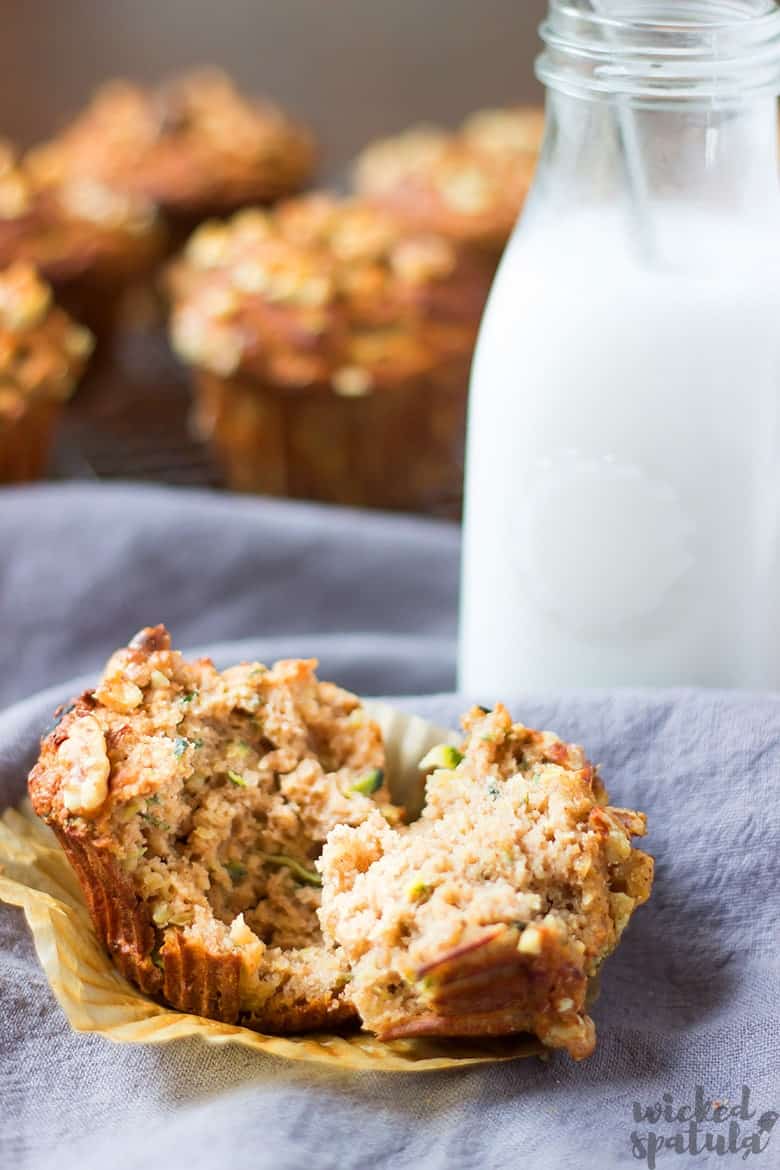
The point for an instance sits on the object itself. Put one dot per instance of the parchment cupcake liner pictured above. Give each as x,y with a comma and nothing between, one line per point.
269,441
35,875
25,441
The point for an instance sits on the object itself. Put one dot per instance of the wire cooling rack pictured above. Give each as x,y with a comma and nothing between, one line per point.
129,419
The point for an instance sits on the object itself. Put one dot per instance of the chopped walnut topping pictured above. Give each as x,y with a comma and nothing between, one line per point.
84,751
621,907
42,351
119,694
250,277
219,302
468,184
79,342
14,196
352,382
506,131
424,258
88,199
190,142
203,342
24,298
466,190
208,247
530,941
389,161
315,284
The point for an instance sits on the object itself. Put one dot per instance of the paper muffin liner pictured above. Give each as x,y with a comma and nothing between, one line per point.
270,442
35,875
26,440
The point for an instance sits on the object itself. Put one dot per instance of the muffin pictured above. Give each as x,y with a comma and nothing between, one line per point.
468,185
192,805
194,146
89,241
492,912
331,347
42,355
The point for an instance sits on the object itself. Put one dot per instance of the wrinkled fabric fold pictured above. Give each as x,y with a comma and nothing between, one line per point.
688,1000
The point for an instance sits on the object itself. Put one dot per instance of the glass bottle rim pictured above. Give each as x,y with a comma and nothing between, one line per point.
662,49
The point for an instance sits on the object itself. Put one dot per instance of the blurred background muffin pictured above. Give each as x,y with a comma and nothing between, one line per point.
193,145
469,185
331,346
42,354
89,241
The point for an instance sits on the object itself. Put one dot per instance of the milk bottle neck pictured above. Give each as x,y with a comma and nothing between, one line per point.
652,102
722,161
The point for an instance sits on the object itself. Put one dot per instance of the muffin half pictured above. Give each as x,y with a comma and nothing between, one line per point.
491,913
193,805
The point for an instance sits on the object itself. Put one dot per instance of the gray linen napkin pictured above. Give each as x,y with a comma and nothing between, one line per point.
687,1014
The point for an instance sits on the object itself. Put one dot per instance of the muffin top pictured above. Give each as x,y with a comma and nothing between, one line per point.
71,226
194,144
468,184
326,292
42,351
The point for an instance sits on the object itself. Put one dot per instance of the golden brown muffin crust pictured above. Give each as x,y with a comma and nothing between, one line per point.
74,227
42,351
323,292
193,144
469,184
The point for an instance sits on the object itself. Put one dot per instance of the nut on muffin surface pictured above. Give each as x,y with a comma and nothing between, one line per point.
193,145
192,805
491,913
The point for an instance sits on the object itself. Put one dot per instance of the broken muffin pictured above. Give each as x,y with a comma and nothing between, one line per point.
193,805
491,913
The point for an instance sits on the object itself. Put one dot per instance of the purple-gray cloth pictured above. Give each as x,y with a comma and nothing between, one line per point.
688,1009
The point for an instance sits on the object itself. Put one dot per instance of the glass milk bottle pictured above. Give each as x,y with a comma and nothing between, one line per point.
623,471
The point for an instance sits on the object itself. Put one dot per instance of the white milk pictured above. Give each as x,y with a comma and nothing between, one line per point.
623,475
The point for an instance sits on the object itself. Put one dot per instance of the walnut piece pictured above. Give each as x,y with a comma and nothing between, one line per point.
84,751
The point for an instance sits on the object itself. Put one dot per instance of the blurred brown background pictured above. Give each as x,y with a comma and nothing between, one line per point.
353,68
